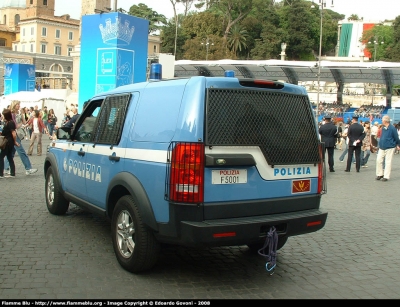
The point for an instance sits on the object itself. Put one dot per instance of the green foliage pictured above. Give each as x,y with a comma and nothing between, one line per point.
392,51
353,17
202,24
255,29
301,30
237,39
143,11
196,49
167,36
378,39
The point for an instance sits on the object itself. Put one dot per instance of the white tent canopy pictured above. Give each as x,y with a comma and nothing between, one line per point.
53,99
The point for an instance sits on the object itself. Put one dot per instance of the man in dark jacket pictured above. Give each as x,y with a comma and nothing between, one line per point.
355,135
71,122
328,132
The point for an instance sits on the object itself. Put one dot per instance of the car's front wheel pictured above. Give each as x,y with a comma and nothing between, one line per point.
55,201
134,244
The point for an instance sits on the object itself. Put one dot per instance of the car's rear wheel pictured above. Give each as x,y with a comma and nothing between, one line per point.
134,244
55,201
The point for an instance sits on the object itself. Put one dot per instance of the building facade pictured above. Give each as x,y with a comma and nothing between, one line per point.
30,33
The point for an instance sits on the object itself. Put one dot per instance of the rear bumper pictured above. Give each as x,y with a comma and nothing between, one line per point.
240,231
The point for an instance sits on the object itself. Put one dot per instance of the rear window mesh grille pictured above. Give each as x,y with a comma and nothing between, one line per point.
281,124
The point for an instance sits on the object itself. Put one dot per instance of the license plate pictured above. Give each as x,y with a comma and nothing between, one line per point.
229,176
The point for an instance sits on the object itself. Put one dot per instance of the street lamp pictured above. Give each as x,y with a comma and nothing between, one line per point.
207,41
376,43
322,5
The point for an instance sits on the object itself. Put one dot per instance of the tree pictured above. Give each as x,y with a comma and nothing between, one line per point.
202,24
168,36
233,11
392,52
262,15
378,40
353,17
237,38
195,49
206,4
303,30
187,4
143,11
268,45
174,2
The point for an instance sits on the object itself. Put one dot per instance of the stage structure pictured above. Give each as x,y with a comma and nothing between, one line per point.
19,77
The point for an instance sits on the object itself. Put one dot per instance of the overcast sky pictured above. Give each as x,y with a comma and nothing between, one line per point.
371,10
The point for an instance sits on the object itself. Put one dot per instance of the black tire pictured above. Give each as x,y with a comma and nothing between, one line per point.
134,244
55,201
255,247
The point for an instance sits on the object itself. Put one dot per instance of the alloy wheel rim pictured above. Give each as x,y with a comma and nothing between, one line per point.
124,234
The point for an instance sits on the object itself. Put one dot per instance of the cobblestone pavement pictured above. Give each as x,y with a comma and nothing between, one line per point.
356,255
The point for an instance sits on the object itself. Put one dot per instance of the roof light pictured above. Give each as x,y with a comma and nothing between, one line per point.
155,71
229,73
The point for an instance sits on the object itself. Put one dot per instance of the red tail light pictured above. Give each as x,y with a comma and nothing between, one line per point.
187,173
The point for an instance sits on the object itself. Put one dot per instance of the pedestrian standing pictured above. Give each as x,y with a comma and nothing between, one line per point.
52,121
29,127
328,132
388,142
19,120
38,127
355,137
45,118
345,142
11,136
366,145
374,132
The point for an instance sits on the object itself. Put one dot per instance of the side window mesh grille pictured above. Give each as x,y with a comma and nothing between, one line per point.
111,119
281,124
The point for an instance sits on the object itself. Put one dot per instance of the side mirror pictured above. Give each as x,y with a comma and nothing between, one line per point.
63,133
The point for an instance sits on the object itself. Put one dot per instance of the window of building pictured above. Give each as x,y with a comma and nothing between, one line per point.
70,36
57,49
70,49
15,48
31,2
2,42
32,31
31,47
56,69
43,48
17,19
23,32
5,19
58,33
44,2
23,47
44,31
155,49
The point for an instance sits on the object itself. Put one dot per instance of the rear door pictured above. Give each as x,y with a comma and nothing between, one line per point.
105,155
